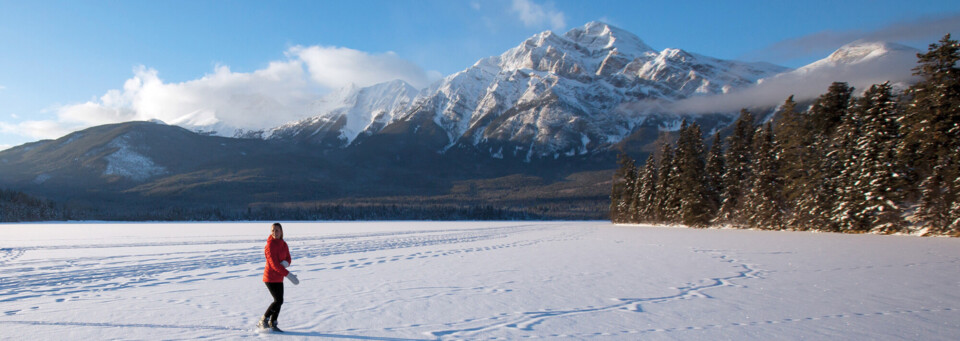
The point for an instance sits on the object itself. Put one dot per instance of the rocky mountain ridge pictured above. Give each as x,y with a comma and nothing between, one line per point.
551,96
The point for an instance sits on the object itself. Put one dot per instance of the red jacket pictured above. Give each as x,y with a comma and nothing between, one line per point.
276,252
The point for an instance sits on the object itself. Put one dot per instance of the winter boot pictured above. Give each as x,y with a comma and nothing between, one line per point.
273,326
263,323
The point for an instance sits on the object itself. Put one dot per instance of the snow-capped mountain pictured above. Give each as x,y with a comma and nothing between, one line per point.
560,94
574,94
861,52
551,95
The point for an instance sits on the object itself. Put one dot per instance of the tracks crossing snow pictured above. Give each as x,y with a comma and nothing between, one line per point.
68,276
527,321
487,281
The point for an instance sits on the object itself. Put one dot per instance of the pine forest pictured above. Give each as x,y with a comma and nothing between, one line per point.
883,161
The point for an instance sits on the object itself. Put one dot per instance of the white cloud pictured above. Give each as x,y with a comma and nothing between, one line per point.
224,100
46,129
337,67
2,88
536,15
803,84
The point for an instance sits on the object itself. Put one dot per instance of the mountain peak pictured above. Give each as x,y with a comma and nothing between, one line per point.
582,49
864,53
596,35
859,51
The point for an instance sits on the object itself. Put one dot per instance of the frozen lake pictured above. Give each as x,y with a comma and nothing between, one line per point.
475,281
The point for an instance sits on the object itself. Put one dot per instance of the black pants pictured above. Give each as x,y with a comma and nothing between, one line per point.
276,290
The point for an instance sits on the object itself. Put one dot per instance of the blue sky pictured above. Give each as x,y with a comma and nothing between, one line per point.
67,65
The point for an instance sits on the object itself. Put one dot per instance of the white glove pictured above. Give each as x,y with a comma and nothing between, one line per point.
285,264
293,278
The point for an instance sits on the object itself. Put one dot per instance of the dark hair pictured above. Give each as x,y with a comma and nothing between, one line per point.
277,225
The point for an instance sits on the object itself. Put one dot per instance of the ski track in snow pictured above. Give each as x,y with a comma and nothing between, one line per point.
57,277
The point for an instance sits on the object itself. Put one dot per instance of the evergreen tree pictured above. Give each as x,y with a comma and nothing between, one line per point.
814,209
931,125
793,136
931,135
691,178
933,211
939,206
816,197
842,153
870,180
764,202
878,173
668,203
714,173
647,194
636,205
954,227
621,196
737,158
828,110
633,207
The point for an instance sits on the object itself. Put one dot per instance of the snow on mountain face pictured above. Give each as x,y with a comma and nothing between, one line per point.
126,162
347,113
692,74
862,52
594,49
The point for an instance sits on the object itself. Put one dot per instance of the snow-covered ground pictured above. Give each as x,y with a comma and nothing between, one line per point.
476,281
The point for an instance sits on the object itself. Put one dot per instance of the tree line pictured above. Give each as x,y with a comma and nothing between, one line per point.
25,208
886,161
17,207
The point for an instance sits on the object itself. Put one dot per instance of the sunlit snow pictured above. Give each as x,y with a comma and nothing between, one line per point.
475,280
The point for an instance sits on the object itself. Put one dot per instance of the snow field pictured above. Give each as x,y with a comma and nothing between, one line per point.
475,281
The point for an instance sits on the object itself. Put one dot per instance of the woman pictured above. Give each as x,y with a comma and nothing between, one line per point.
278,259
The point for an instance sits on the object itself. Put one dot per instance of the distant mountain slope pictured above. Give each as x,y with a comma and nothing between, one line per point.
151,160
137,169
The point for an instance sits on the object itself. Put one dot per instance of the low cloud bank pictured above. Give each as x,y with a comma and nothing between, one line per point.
225,101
